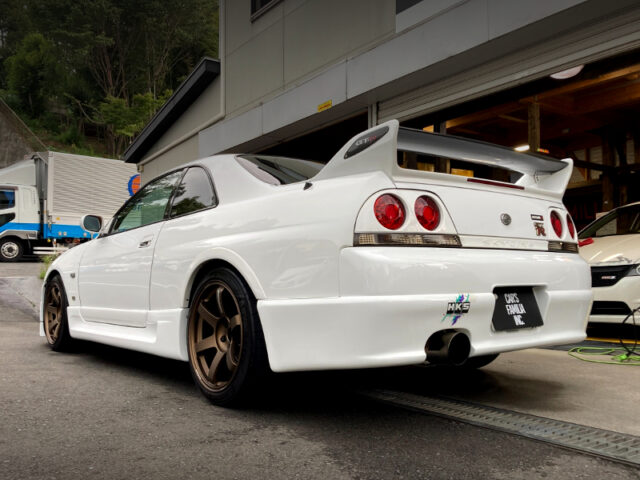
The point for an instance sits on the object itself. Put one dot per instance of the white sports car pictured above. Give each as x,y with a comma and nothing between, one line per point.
611,246
241,263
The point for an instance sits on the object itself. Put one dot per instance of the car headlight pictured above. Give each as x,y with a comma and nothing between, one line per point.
634,271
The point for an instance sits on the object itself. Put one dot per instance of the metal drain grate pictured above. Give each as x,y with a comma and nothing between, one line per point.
605,443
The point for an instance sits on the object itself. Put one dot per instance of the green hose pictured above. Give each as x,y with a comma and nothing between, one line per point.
615,356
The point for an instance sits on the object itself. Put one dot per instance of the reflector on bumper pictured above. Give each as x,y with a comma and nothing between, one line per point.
407,239
563,247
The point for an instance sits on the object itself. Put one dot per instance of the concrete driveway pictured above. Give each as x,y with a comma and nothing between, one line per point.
103,412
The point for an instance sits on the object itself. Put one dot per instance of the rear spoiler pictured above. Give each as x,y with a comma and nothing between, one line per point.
376,149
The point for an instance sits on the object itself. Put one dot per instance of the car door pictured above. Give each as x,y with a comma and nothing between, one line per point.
182,238
115,269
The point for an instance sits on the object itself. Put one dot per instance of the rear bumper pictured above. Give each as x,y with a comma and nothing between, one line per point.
393,299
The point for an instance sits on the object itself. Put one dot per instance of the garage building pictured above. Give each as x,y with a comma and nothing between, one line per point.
301,77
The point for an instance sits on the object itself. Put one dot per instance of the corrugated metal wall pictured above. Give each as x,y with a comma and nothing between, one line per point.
81,185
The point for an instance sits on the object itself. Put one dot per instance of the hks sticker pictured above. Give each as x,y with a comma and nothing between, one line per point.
457,308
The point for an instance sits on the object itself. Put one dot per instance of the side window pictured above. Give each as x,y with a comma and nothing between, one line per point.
258,7
148,205
194,193
6,218
7,199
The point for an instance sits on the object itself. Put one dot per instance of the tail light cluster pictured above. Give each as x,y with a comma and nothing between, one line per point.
556,224
389,211
391,214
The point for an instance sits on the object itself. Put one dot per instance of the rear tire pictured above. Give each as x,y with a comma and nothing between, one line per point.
56,326
480,361
11,250
227,353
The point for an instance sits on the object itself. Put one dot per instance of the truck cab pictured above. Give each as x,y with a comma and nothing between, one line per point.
19,220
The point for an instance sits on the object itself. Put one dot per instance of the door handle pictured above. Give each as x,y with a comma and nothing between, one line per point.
145,242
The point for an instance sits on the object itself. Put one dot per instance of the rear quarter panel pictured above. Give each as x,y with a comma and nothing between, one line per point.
287,239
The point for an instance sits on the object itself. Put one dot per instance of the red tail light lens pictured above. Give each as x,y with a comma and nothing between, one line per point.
427,212
571,226
556,223
389,212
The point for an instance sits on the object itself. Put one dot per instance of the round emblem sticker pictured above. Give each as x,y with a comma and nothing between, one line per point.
134,184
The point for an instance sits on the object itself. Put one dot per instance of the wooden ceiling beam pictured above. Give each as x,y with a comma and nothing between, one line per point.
562,105
616,97
511,118
484,115
582,84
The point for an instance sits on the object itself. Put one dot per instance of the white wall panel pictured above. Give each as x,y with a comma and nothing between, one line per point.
303,101
422,46
232,132
504,16
422,11
255,69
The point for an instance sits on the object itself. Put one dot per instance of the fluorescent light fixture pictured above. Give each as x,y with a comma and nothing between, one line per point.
522,148
568,73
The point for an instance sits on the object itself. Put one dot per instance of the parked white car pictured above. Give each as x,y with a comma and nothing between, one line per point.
241,263
611,246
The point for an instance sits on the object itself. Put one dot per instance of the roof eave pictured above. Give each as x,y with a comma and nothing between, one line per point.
198,80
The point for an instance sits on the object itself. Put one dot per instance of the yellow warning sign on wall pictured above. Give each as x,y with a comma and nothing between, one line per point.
325,106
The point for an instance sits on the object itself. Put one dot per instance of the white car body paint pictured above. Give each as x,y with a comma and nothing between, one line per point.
323,302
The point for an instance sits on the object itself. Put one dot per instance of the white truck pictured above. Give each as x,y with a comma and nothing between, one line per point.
43,198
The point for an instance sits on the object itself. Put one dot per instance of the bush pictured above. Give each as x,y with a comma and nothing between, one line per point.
71,136
47,260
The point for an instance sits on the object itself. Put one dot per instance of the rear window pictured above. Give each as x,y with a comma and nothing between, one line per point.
279,170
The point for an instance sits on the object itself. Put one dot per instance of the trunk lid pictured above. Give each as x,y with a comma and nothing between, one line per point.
494,214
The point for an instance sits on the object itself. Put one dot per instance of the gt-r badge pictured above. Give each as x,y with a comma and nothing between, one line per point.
457,308
505,218
540,232
537,218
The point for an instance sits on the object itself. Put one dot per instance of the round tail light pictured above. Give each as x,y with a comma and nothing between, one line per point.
427,212
556,223
389,212
571,226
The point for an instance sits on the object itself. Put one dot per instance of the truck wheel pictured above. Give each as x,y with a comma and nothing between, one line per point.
11,250
227,353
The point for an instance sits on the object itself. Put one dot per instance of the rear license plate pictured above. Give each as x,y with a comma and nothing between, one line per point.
515,308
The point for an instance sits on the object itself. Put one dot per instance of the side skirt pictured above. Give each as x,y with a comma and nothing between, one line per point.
165,334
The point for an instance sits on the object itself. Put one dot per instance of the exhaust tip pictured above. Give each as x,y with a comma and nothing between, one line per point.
459,349
449,347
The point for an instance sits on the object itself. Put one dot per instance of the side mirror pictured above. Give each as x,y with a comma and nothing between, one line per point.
91,223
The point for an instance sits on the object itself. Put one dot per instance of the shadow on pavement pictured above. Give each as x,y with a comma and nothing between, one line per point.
319,391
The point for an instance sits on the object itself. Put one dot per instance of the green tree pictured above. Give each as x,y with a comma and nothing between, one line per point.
32,74
123,120
115,59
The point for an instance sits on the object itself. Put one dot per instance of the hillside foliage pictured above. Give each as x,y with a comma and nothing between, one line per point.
87,75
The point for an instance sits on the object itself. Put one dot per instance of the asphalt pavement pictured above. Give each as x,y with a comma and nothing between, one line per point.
102,412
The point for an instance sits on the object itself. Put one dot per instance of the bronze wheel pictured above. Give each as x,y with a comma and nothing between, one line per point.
224,338
55,315
215,335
